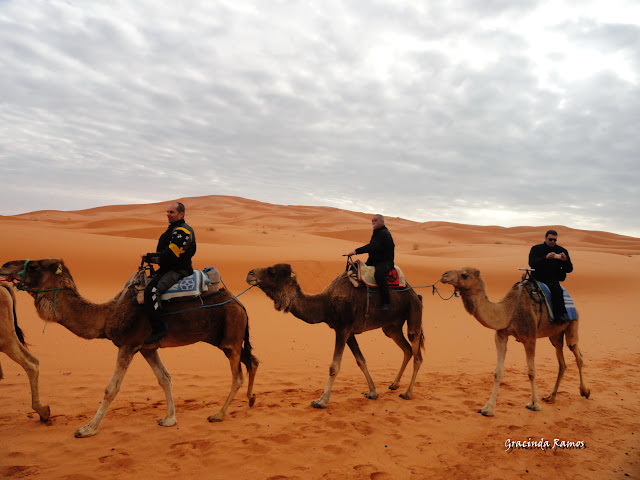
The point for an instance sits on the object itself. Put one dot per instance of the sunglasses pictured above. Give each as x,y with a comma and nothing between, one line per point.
552,239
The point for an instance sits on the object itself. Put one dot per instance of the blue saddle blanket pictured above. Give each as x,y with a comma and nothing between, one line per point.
572,314
194,284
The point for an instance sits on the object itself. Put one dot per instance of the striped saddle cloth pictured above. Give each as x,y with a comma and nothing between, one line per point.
571,315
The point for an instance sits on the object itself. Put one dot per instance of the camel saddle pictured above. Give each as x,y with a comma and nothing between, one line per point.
361,274
200,283
541,294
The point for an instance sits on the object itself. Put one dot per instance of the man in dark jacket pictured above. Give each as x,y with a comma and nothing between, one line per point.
381,254
551,263
173,254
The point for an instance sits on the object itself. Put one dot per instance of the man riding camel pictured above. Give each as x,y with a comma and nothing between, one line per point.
176,247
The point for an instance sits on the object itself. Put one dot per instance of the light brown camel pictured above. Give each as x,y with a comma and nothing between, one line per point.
518,315
344,308
124,322
13,345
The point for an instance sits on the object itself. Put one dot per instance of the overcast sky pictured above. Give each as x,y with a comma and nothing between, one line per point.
488,112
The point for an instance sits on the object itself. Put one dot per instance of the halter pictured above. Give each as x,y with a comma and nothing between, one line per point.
467,292
21,286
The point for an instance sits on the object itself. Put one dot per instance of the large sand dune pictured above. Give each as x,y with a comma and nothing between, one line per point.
437,434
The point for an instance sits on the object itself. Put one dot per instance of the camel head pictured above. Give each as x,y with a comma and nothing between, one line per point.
38,274
278,282
466,280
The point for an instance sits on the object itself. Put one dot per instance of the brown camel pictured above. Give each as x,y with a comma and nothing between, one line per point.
344,308
124,322
518,315
12,343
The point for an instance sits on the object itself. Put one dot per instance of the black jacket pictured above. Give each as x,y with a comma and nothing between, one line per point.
175,248
549,269
380,249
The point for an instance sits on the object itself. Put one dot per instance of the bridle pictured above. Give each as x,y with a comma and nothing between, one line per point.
465,291
22,286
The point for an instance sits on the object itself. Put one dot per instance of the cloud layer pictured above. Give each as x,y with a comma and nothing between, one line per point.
506,113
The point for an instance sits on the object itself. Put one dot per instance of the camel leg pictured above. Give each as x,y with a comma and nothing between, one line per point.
417,340
19,354
530,351
125,355
395,333
251,363
584,391
164,380
572,340
501,348
558,342
1,373
334,368
236,382
355,349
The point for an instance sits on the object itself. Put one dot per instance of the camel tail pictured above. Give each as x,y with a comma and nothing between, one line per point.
18,330
251,362
15,316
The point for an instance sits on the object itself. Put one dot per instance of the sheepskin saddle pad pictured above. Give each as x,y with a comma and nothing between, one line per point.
361,274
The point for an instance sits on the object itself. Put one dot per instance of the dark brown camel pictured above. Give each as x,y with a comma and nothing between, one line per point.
124,322
518,315
12,343
344,308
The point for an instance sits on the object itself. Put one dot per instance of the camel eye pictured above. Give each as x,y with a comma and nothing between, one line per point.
464,275
271,271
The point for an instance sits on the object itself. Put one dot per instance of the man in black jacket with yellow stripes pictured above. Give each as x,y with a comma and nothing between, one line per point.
173,254
381,250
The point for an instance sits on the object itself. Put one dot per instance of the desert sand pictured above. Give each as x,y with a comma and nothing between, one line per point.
437,434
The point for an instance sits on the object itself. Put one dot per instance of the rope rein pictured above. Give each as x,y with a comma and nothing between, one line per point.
210,306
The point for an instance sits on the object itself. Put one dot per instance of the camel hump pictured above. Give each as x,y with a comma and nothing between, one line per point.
361,274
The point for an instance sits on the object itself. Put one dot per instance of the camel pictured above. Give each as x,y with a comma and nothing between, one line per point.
347,311
518,315
125,323
13,345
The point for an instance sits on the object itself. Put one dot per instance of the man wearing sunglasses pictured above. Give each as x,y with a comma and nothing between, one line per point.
551,263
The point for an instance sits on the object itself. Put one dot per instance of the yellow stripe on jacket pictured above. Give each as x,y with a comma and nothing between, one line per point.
177,251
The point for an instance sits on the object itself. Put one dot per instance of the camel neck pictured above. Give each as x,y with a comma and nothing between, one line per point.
81,317
489,314
308,308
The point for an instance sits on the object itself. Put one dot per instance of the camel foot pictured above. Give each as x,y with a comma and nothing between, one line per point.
486,411
252,400
216,418
371,395
393,386
318,404
85,432
167,422
44,412
405,395
534,406
585,392
549,399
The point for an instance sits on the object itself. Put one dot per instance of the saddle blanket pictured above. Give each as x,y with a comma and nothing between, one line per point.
365,274
572,314
200,282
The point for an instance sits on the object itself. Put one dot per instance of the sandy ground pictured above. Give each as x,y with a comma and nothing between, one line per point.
437,434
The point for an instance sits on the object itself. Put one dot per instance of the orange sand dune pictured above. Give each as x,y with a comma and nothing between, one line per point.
437,434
